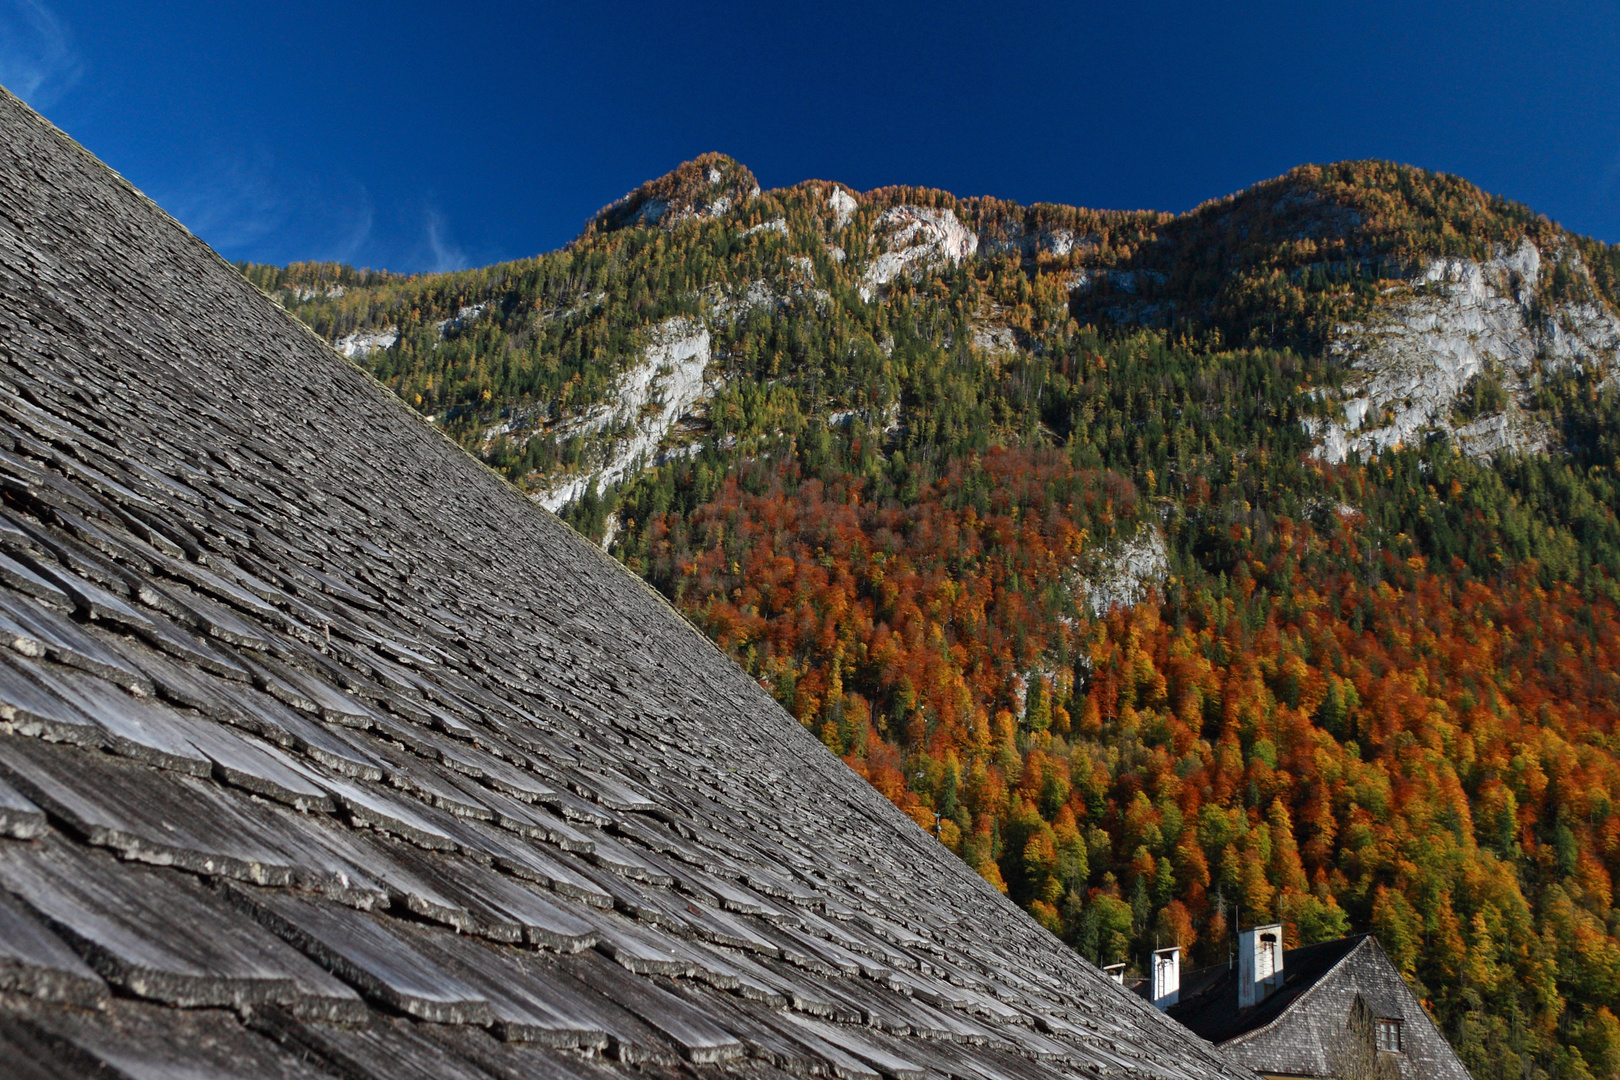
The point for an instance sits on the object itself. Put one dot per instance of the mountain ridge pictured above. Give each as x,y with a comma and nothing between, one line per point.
1120,270
1263,557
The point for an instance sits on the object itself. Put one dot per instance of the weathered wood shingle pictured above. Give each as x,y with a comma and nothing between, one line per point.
324,752
1301,1029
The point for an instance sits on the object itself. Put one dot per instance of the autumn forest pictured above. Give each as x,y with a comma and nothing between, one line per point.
1037,538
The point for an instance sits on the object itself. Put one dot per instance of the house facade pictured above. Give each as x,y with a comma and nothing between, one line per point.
1338,1009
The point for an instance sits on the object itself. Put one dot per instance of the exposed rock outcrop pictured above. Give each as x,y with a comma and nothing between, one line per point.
914,239
993,338
464,315
362,343
1457,321
843,206
1122,574
1057,242
647,401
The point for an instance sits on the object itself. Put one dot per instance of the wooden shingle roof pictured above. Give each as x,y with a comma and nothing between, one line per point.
1302,1028
325,753
1208,1002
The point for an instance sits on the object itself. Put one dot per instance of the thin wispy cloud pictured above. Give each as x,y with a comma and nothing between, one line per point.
361,219
445,255
232,204
250,206
38,61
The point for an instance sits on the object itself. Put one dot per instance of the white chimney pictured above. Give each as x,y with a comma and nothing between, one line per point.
1260,964
1115,972
1166,977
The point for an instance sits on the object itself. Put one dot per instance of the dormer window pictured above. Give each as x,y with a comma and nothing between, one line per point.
1388,1033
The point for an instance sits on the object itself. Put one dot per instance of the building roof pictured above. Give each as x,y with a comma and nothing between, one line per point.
1208,1001
325,752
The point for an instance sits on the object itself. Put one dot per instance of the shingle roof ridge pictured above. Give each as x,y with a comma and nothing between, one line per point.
1305,995
1315,945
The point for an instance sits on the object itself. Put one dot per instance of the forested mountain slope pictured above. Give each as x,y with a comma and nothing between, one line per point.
1255,562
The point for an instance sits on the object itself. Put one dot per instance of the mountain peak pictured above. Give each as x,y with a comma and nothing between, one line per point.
707,186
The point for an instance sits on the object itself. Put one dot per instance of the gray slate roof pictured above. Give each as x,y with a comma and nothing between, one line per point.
323,752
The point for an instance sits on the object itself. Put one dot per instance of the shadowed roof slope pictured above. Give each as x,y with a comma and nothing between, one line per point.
1209,996
325,753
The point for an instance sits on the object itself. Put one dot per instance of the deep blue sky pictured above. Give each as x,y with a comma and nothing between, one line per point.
419,136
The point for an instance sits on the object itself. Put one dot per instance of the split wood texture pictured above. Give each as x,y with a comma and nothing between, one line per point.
323,752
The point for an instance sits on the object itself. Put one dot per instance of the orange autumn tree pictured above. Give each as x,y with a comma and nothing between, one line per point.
1328,738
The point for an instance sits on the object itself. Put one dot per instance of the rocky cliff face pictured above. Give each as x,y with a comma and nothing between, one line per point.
912,240
1457,326
843,206
632,430
1121,575
362,343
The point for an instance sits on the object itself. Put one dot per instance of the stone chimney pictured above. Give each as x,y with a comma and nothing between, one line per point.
1166,977
1260,964
1115,972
